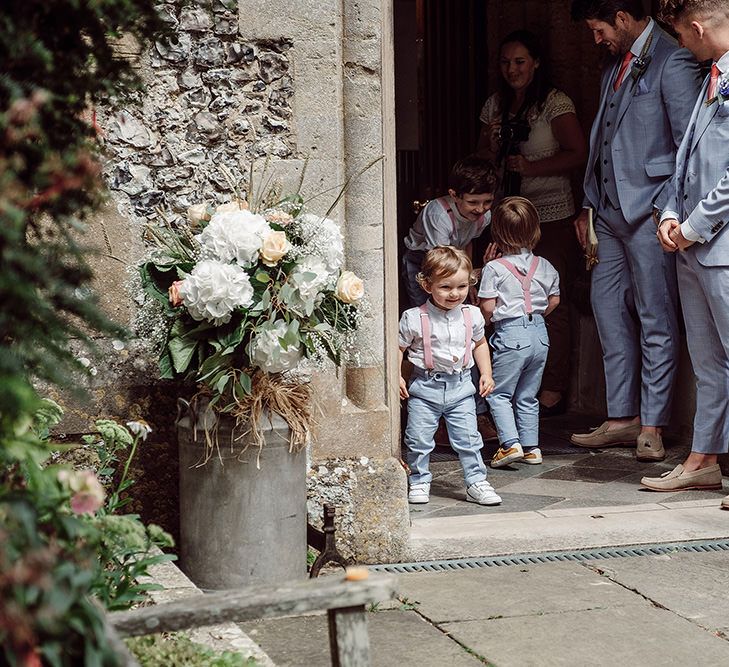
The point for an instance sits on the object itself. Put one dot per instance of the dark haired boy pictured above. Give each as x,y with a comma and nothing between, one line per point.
454,219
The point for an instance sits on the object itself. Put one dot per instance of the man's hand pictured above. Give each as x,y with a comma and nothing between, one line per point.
486,385
403,388
664,234
580,224
676,235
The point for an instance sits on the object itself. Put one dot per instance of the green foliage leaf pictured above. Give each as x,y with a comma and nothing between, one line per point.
182,349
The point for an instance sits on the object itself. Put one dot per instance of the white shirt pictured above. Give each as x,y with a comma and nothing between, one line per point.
689,233
639,42
499,283
434,227
551,195
447,336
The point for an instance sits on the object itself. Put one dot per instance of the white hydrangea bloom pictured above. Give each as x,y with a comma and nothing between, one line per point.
309,277
323,239
234,235
214,290
267,351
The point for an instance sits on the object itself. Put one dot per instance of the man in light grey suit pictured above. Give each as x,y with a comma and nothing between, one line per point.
645,105
695,223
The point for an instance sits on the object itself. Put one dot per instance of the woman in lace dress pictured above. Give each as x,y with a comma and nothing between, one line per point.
530,129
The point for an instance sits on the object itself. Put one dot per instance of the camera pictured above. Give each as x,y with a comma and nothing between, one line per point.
514,132
511,134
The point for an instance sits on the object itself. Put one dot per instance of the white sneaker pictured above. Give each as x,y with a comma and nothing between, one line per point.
419,494
482,493
533,456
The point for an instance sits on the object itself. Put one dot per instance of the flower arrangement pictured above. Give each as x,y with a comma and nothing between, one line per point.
248,296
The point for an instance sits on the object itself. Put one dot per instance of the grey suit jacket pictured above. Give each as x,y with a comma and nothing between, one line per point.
701,185
652,118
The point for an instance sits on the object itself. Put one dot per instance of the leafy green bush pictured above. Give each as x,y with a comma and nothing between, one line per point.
178,650
58,60
54,557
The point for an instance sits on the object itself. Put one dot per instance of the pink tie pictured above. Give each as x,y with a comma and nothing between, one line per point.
623,69
713,82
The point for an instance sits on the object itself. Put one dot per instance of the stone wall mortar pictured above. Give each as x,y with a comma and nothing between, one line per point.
213,98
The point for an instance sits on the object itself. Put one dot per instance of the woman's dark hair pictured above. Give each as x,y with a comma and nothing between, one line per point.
536,93
606,10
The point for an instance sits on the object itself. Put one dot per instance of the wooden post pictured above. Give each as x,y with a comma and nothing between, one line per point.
349,642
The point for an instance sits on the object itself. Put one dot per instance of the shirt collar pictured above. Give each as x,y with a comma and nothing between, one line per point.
434,310
457,213
723,64
640,41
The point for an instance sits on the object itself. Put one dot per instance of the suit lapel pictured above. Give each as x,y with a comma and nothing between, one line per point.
704,115
630,86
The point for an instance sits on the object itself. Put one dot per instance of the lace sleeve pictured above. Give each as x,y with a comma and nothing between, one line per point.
557,104
490,113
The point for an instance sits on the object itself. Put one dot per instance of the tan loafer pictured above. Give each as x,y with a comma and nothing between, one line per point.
725,503
601,437
650,447
679,479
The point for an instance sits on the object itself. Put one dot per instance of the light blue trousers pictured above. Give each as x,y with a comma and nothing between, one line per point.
436,395
519,352
634,299
705,302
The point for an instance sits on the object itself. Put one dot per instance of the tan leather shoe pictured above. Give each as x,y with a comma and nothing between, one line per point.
650,447
725,503
679,479
601,437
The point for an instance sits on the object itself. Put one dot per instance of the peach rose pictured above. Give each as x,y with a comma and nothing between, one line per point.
174,293
232,206
197,214
274,248
350,287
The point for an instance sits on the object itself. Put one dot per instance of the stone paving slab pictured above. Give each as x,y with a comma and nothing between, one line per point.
629,635
519,532
397,637
513,591
693,586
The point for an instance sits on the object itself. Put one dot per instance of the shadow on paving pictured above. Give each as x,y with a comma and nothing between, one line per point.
569,476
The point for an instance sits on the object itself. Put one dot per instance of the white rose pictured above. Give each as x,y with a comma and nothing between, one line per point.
197,213
269,353
350,287
234,235
275,247
214,290
233,206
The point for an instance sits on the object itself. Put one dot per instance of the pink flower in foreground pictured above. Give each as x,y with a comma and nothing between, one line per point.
88,494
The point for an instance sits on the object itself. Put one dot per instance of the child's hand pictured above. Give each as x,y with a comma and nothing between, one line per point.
491,252
486,385
403,388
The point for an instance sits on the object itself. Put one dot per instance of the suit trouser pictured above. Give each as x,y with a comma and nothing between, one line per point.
520,346
634,299
705,302
559,246
436,395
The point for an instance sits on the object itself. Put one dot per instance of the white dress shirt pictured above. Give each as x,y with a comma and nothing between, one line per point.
447,336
